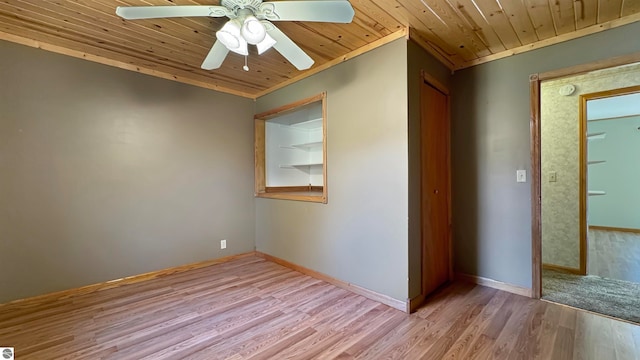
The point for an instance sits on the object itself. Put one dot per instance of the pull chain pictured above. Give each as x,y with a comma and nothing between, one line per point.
245,67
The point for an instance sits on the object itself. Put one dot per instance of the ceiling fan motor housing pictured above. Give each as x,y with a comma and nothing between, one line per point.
235,5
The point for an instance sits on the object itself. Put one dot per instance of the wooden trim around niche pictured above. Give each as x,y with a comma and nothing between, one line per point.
277,189
270,114
296,193
260,172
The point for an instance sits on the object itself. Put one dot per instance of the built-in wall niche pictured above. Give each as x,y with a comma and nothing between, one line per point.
290,151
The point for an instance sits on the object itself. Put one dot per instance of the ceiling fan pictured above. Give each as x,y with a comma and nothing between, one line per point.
250,23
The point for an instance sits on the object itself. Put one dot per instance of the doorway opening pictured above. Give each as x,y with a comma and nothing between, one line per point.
610,174
562,191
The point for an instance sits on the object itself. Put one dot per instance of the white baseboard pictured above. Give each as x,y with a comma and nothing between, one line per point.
514,289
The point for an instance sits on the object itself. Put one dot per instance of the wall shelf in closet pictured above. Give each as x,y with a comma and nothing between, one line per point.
596,192
596,136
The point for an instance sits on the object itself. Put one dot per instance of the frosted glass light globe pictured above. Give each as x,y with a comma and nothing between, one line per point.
252,30
230,37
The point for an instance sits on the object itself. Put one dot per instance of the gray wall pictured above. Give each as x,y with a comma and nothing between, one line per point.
106,173
490,140
619,176
360,236
417,60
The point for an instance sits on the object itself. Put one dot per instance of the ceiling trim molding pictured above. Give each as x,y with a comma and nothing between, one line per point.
431,49
552,41
593,66
376,44
119,64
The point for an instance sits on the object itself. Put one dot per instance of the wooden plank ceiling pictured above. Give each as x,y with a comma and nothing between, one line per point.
460,33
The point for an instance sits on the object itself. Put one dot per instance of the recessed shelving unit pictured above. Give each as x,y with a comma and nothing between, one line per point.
290,151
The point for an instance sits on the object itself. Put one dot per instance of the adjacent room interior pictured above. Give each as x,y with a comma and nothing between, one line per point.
589,206
166,195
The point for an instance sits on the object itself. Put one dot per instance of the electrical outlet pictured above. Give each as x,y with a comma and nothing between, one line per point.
223,244
553,176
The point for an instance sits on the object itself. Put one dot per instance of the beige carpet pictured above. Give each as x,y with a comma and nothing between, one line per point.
617,298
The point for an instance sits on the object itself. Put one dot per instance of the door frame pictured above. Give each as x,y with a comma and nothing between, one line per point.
433,82
415,302
536,182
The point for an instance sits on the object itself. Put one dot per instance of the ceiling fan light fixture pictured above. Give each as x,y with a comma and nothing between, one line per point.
232,39
250,23
252,30
265,44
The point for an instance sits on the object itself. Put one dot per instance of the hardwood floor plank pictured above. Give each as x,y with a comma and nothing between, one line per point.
527,344
472,340
375,335
229,346
405,339
563,344
624,345
514,325
636,340
250,308
356,331
614,254
549,331
397,336
272,351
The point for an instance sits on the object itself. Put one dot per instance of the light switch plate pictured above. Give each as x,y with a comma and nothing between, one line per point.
553,176
521,176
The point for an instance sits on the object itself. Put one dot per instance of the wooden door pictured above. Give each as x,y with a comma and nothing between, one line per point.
435,188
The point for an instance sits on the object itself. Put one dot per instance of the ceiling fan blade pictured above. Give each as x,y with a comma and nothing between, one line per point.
290,50
337,11
216,56
154,12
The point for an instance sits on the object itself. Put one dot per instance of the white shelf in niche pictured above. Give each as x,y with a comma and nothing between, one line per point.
295,166
596,136
592,162
596,192
308,146
309,124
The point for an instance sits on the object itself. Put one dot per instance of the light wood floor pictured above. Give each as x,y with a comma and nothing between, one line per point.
614,255
251,308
